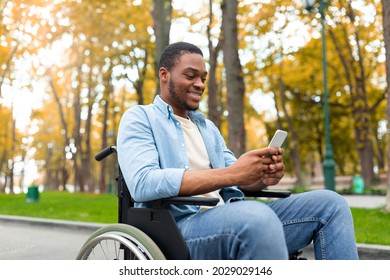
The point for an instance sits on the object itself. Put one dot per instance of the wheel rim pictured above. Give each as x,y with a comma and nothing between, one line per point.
114,241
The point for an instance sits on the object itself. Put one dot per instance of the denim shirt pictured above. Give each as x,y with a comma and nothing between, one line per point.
152,154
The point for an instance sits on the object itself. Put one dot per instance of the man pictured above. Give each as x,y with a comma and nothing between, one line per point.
168,148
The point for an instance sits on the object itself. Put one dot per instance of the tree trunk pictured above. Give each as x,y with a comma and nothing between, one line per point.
49,178
234,79
162,17
214,106
293,137
77,157
386,35
362,120
106,105
139,85
4,156
2,163
55,184
87,164
103,164
12,156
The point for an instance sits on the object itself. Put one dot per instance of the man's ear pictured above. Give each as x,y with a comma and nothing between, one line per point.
163,74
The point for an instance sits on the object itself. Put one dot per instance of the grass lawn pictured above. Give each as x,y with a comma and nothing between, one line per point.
371,225
63,206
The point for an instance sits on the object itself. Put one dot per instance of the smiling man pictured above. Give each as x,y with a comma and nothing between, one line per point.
168,148
185,81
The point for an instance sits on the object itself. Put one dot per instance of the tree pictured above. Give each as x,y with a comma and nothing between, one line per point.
386,34
110,46
162,17
269,70
349,45
15,37
214,100
235,86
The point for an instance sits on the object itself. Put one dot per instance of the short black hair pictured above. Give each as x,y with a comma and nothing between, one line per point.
173,52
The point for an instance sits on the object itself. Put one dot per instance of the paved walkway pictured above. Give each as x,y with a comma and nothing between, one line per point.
366,201
29,241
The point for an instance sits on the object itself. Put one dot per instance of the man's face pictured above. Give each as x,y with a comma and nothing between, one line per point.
185,83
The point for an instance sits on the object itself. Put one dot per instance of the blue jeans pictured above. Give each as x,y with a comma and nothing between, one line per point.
245,230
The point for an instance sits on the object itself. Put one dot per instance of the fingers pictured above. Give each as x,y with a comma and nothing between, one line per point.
272,157
274,175
263,164
268,152
276,167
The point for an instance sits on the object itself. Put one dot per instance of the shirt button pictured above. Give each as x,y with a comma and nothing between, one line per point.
182,144
177,123
186,167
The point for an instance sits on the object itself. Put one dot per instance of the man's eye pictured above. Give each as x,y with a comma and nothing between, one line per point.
190,77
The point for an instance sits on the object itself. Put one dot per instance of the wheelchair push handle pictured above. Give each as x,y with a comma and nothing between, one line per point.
105,153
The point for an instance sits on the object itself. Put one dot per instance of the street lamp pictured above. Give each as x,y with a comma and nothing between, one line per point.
328,164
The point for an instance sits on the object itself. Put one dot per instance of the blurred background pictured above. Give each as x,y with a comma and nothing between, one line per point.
70,68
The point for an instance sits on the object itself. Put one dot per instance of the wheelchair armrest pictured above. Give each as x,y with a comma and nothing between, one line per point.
191,200
206,201
266,193
184,200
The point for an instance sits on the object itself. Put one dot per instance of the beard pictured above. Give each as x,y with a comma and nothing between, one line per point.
178,98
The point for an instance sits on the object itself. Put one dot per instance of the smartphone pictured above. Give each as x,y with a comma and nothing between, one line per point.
278,139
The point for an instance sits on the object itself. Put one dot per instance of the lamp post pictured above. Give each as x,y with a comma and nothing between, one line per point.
328,164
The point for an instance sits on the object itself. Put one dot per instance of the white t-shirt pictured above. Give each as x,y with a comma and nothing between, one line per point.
197,153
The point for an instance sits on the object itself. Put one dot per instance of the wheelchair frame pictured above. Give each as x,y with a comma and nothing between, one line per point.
146,233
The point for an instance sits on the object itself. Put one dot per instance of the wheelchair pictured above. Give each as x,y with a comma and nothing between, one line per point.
147,233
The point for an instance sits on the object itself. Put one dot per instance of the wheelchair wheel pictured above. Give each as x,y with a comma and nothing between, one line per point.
120,242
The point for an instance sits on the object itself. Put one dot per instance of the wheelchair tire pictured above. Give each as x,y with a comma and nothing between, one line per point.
120,242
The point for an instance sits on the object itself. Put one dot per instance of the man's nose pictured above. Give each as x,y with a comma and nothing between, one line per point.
199,83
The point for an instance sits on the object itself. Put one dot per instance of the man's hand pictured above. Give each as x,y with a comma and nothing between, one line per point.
253,171
270,168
